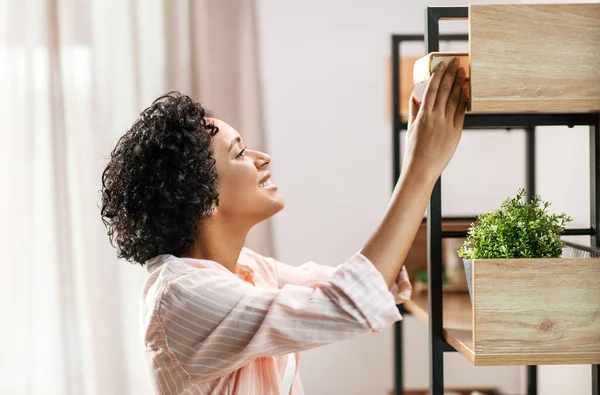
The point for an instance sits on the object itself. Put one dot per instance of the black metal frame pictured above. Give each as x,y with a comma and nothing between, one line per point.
527,122
595,211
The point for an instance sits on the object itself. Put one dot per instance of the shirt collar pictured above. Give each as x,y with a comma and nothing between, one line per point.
245,272
153,263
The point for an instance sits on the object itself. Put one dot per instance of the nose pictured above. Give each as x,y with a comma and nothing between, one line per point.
262,159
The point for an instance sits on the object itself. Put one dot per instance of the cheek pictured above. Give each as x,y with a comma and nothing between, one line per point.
236,182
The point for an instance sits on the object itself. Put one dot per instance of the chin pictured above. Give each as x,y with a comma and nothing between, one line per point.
269,206
277,207
267,215
274,208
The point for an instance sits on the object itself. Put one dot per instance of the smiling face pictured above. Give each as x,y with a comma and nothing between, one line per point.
245,189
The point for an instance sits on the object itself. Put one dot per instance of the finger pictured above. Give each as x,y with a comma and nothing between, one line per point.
459,116
433,86
446,86
454,98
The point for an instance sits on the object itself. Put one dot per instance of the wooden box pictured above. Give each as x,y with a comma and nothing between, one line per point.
535,57
524,58
524,312
544,311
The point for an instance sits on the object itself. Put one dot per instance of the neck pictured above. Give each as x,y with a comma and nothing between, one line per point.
220,241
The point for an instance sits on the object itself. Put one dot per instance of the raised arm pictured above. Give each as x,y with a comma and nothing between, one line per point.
308,274
431,141
311,273
215,323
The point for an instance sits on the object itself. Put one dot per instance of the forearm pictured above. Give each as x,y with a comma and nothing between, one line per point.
389,245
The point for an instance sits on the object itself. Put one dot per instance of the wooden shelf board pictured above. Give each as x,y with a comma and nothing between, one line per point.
458,332
462,341
458,320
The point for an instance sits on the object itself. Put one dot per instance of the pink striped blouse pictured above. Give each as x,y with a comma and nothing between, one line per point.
207,330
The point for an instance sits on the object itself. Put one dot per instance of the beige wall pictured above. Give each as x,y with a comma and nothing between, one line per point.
323,70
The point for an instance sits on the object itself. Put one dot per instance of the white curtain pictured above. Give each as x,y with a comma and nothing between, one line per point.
74,75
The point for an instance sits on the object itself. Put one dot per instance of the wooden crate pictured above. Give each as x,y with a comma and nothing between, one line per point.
535,57
527,58
524,312
545,311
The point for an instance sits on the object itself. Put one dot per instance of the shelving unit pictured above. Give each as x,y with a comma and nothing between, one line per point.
449,316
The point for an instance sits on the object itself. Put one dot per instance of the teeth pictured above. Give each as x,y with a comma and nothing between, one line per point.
266,183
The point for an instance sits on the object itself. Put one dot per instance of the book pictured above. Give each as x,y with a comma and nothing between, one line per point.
423,68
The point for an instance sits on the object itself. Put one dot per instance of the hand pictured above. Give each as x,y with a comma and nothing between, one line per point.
433,135
435,127
413,110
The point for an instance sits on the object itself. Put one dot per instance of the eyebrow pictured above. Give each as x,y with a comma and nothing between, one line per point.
234,142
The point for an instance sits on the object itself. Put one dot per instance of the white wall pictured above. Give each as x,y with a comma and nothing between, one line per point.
323,70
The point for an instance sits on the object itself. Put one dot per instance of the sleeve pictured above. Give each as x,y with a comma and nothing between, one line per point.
402,288
311,273
215,323
307,274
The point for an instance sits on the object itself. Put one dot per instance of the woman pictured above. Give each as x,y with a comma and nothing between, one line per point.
181,192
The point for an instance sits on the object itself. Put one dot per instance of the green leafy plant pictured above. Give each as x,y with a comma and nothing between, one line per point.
516,230
421,276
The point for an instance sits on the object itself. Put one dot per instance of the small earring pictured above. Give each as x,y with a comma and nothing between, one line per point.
209,211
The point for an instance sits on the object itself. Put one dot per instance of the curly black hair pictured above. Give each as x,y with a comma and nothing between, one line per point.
159,180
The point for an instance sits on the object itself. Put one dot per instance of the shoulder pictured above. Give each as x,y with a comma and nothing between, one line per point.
264,267
253,258
177,273
175,267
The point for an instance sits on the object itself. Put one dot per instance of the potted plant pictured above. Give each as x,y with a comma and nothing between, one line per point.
517,229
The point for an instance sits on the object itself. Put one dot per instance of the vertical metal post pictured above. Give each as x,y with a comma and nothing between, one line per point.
532,380
434,249
397,127
530,181
398,356
396,121
396,124
595,180
530,162
434,280
595,211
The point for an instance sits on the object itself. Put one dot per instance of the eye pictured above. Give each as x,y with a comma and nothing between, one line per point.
241,154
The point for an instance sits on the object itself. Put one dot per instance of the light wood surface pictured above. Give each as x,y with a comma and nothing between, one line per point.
537,306
535,57
526,312
424,66
458,323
